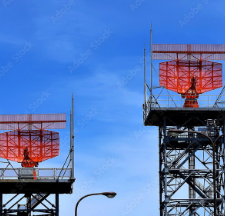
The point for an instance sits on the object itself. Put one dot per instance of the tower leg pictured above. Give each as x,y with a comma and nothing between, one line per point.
223,147
191,166
1,204
160,173
192,193
165,169
56,204
28,204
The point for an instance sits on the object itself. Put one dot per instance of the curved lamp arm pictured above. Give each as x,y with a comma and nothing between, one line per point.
107,194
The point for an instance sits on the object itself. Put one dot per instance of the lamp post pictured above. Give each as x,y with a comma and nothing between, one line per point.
107,194
177,131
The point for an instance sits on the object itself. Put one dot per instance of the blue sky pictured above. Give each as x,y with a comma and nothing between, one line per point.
94,49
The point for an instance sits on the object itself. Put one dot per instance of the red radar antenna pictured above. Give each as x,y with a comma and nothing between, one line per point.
29,142
189,72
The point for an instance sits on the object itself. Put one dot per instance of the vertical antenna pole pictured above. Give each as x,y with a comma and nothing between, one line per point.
72,139
151,64
71,164
145,93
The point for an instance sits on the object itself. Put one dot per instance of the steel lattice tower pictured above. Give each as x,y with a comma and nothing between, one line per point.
186,137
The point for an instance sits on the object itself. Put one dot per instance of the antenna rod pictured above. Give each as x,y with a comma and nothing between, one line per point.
151,64
72,138
145,94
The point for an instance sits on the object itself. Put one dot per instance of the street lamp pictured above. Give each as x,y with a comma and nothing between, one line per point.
107,194
177,132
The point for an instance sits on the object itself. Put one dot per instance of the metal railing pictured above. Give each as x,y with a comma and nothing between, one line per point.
35,173
204,101
176,101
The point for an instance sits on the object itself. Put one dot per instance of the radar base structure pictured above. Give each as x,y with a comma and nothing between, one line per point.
30,185
190,77
185,158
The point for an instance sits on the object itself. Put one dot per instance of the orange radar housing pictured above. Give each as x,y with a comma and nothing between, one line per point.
190,78
29,147
176,75
29,142
189,72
